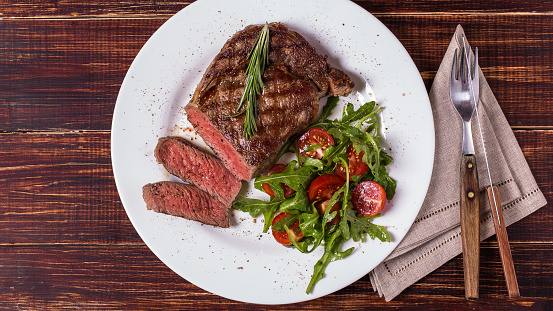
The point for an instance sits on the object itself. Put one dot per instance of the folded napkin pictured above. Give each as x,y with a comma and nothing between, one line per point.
435,236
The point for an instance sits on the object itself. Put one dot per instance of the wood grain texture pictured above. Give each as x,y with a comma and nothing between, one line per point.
59,188
65,240
64,74
132,278
74,8
470,224
503,242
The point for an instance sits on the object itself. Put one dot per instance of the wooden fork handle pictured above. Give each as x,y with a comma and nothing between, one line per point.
503,241
470,225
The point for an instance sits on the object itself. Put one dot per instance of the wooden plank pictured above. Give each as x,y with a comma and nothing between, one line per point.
59,188
65,74
131,277
74,8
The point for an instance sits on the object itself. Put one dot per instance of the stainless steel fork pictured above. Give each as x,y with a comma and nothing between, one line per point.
464,101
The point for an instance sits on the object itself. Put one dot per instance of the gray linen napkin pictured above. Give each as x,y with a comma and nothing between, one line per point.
435,236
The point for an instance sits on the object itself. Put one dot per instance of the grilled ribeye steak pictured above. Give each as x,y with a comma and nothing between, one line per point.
186,161
185,201
295,79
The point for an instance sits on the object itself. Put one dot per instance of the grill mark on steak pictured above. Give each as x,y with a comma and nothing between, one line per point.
187,201
190,164
295,79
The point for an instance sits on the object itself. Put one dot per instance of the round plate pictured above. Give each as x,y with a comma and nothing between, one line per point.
241,262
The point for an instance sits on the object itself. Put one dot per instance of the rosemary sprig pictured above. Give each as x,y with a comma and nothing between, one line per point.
259,57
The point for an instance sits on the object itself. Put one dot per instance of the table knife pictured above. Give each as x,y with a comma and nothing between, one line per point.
495,203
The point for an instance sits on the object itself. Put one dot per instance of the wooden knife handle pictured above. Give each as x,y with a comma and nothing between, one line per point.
470,224
503,241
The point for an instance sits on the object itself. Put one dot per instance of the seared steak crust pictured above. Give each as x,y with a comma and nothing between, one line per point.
190,164
185,201
296,78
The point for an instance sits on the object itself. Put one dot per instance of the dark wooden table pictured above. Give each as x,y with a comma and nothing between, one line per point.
65,240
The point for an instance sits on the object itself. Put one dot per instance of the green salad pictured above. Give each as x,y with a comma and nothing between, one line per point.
333,189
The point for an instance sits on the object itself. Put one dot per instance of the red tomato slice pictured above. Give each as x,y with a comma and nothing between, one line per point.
321,208
323,187
282,237
315,136
368,198
355,163
277,168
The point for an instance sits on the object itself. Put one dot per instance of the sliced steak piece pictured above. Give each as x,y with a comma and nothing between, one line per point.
295,79
186,201
187,162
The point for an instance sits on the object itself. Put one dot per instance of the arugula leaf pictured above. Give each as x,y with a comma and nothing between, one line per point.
385,159
268,216
389,184
371,154
376,231
331,253
316,163
344,223
297,203
255,206
295,179
333,153
359,225
310,224
350,131
331,103
352,115
287,221
335,197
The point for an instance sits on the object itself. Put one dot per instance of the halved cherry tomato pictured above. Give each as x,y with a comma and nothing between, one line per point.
323,187
321,208
277,168
282,237
355,164
315,136
368,198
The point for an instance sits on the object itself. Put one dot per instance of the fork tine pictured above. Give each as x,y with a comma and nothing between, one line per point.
454,67
467,57
463,68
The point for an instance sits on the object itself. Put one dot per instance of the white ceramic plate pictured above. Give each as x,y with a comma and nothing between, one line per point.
241,262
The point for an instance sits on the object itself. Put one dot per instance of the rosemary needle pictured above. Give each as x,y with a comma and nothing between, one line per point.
259,56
